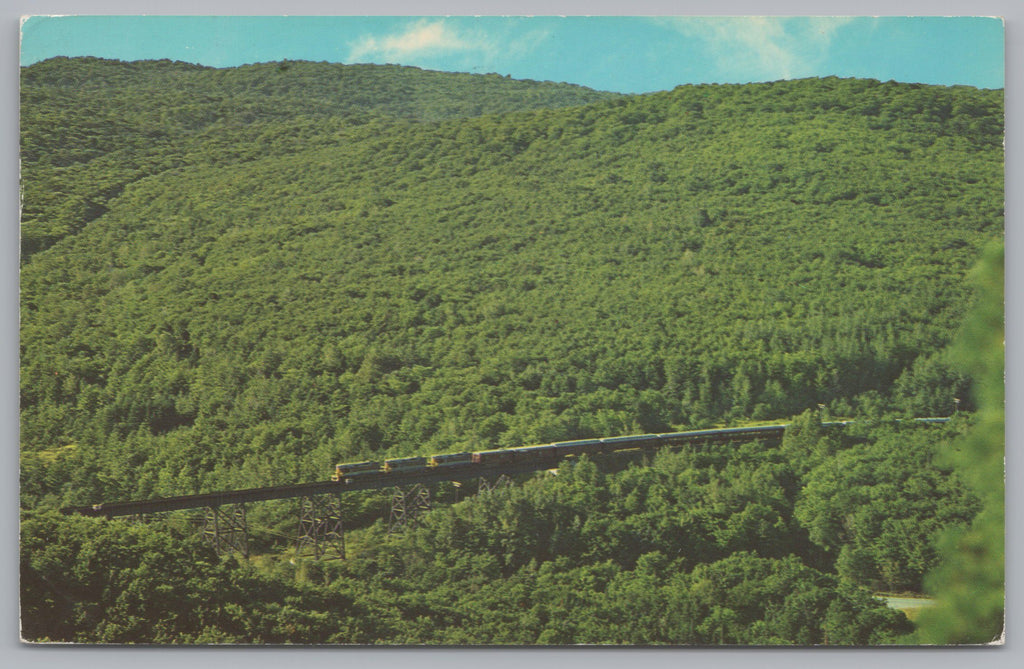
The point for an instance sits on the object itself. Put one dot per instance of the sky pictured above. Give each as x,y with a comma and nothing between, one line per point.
624,54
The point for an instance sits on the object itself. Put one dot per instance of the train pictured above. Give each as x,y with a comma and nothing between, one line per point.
547,455
554,452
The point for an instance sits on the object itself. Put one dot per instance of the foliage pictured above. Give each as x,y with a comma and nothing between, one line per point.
877,506
694,547
92,126
88,580
240,277
398,287
970,581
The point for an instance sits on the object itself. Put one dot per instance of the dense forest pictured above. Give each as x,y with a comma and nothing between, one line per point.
79,151
238,277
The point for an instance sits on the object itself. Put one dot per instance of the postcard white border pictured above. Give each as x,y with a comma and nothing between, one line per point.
19,655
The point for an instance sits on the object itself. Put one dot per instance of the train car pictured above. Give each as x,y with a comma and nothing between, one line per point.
501,456
719,436
613,444
446,459
769,431
578,447
670,439
690,437
674,438
401,464
347,468
728,435
542,451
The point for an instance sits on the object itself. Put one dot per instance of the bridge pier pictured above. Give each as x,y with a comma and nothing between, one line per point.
485,485
320,527
407,505
225,529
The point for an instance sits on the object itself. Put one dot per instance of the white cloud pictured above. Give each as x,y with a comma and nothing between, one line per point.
762,47
451,43
422,38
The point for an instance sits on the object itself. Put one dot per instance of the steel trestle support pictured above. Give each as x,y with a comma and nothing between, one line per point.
484,485
407,506
225,529
320,526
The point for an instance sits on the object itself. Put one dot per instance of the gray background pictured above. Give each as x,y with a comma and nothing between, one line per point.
15,654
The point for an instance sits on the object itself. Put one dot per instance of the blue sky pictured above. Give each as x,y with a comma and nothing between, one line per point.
630,55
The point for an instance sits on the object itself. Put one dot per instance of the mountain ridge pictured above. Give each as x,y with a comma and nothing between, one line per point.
108,123
700,254
279,292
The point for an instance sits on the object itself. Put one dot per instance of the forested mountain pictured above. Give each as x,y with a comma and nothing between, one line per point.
90,126
239,277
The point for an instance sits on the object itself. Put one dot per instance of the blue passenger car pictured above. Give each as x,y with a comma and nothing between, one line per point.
447,459
401,464
501,456
348,468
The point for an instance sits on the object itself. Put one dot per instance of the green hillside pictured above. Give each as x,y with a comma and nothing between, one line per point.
289,265
91,126
708,254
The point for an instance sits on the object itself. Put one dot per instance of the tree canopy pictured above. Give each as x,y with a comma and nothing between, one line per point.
239,277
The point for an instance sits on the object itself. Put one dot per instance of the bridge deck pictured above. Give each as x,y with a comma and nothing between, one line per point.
528,459
368,481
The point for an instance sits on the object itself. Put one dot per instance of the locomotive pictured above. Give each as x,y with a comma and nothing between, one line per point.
548,454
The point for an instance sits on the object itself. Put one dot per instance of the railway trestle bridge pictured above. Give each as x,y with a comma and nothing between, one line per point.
321,527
